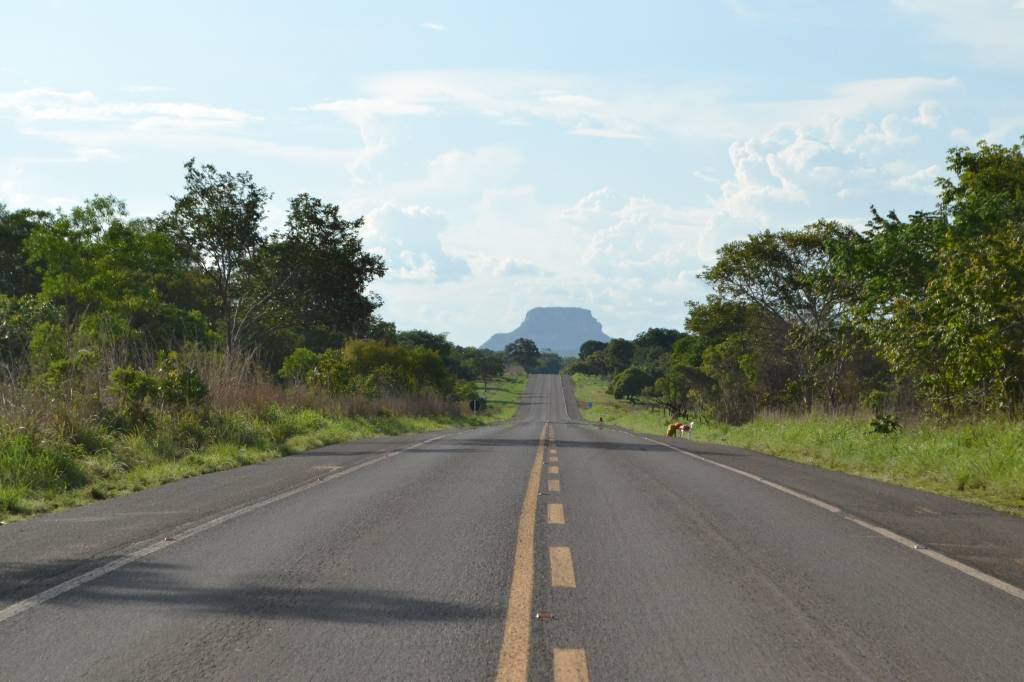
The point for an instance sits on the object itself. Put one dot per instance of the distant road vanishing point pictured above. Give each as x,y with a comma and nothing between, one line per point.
543,548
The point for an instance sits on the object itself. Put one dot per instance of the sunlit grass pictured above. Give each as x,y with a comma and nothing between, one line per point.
981,461
39,474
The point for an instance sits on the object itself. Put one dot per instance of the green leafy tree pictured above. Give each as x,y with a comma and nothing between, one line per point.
791,275
17,276
221,215
630,383
315,277
523,352
618,355
588,348
941,293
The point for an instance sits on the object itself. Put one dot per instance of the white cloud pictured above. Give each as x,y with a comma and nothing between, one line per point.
585,108
921,181
990,29
44,104
434,26
409,237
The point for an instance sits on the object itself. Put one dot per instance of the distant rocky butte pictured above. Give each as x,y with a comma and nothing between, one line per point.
561,330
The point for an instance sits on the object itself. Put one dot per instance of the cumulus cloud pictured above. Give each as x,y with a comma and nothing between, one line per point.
409,237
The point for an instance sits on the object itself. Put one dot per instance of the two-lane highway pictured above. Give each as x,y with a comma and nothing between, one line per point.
544,547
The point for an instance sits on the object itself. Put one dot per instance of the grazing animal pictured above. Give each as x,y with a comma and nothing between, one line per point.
678,429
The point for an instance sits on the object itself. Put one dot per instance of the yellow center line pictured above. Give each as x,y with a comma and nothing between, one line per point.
514,660
553,469
570,665
556,513
562,574
554,485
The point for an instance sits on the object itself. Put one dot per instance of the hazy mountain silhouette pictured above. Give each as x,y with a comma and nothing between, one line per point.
561,330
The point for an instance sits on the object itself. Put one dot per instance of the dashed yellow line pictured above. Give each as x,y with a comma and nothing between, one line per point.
514,660
556,513
570,665
562,574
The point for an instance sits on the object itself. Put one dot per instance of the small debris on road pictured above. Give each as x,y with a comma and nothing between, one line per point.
544,615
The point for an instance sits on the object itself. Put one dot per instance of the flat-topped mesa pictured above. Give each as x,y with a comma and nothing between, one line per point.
560,330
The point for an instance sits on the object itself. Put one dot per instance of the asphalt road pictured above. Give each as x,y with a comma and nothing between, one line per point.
429,558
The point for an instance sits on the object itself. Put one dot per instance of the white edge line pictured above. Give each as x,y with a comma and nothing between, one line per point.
100,571
989,580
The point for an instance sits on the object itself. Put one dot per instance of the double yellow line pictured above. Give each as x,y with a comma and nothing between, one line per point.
514,661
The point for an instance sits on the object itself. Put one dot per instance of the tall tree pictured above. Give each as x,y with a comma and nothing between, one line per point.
221,215
315,276
524,352
790,274
942,293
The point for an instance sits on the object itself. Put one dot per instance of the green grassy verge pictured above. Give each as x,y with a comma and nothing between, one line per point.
502,396
39,474
622,413
981,462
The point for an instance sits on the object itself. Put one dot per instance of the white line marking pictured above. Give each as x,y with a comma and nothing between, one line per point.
565,403
990,580
76,582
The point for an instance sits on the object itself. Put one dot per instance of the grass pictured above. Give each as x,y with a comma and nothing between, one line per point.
622,413
40,473
502,396
980,462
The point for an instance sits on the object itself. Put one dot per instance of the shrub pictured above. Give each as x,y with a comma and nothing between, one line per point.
131,387
298,366
178,385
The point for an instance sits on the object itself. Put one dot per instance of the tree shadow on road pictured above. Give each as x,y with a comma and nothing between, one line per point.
283,596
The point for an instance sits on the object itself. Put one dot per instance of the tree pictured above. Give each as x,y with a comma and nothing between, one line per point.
114,277
425,339
791,275
548,363
17,277
588,348
524,352
630,383
618,355
676,391
316,275
942,293
487,365
221,216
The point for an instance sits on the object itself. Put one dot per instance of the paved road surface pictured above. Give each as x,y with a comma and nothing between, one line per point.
404,559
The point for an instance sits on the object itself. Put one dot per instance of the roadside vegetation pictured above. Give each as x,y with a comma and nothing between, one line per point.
138,350
896,351
980,462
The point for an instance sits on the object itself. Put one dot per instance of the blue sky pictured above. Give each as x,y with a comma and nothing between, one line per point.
511,155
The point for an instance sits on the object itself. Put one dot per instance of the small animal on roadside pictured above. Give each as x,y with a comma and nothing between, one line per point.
678,429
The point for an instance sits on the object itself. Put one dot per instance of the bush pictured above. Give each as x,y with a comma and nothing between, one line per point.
132,387
298,366
178,385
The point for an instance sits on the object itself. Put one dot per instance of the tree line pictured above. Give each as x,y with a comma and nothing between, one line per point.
92,290
922,313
